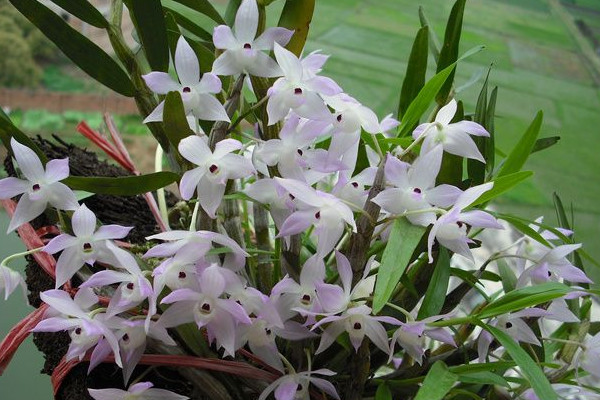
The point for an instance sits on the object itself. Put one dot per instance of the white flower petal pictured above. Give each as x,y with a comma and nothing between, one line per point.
28,162
246,21
186,63
223,38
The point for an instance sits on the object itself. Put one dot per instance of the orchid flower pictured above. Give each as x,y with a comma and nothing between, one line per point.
358,323
39,188
207,308
326,212
450,229
243,53
213,171
454,138
195,245
288,152
86,330
589,357
267,191
10,280
414,188
387,124
197,93
294,386
354,190
139,391
411,336
553,265
299,89
88,246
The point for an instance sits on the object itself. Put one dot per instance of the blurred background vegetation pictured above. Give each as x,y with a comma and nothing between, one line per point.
544,55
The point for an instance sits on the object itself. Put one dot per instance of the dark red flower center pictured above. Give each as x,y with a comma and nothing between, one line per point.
318,215
213,168
205,307
354,184
460,224
182,275
187,89
306,298
509,325
298,91
357,325
125,337
130,286
78,331
247,46
300,152
36,187
87,247
417,190
339,118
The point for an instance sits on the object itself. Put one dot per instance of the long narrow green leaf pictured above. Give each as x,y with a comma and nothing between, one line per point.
123,185
150,24
490,149
402,242
483,378
82,51
438,286
518,156
9,130
421,103
173,32
414,79
437,383
475,168
502,185
175,122
83,10
187,23
521,298
449,51
434,43
204,7
532,371
383,392
297,15
544,143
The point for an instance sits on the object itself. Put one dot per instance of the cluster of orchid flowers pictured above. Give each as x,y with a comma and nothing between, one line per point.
309,188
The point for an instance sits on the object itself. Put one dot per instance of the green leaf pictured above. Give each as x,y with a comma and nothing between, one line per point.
544,143
149,21
475,168
383,392
483,378
426,95
297,15
9,130
525,297
449,51
189,24
175,123
438,286
203,7
503,184
517,157
509,279
402,242
437,383
522,226
434,43
490,150
82,51
231,11
173,32
532,371
83,10
414,79
122,185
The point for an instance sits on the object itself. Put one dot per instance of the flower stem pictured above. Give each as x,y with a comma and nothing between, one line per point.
8,259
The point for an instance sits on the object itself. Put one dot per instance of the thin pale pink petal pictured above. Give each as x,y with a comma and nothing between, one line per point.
186,63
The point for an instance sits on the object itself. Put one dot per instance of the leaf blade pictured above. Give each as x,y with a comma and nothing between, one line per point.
123,185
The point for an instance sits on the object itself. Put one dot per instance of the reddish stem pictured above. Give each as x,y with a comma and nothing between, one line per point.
17,336
101,142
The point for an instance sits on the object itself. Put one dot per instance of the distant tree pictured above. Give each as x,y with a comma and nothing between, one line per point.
17,66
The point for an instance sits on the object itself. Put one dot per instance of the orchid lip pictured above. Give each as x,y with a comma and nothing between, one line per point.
36,187
87,247
354,184
297,91
509,325
187,89
182,275
205,308
213,168
247,46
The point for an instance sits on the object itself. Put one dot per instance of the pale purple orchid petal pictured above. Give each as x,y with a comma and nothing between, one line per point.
85,299
210,195
210,109
480,219
56,324
419,130
376,332
59,243
472,194
396,171
181,295
112,232
301,191
446,113
246,21
162,394
108,394
560,252
62,302
286,390
83,222
521,331
26,211
226,146
425,169
325,386
161,82
28,161
105,278
296,223
188,184
328,233
11,187
313,107
328,87
289,63
57,170
186,63
61,197
441,335
461,144
331,297
101,351
156,115
271,36
210,83
329,335
227,64
276,111
178,313
483,345
472,128
264,66
313,63
573,274
344,270
443,195
223,38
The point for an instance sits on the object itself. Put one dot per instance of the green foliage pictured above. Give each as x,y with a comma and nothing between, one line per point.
122,186
437,384
17,67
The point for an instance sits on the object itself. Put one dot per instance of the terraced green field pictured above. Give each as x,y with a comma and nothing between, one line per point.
536,64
